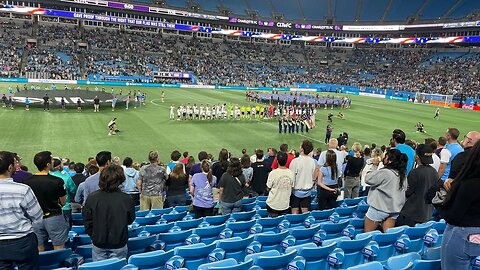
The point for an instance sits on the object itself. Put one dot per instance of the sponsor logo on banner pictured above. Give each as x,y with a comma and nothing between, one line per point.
371,95
284,25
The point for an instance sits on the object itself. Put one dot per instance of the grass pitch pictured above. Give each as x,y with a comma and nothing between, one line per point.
81,135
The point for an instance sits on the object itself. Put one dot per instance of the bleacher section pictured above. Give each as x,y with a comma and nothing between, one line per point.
318,240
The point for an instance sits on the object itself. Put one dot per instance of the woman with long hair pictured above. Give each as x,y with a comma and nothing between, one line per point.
387,191
352,172
201,190
220,166
461,211
231,186
327,182
177,183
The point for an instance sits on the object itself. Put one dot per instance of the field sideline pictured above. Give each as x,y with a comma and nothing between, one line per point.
81,135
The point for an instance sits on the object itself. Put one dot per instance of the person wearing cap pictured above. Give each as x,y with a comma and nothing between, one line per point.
420,180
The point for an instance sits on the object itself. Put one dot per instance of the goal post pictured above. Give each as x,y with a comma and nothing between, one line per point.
434,99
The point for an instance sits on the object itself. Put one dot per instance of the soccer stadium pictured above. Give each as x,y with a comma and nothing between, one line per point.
240,134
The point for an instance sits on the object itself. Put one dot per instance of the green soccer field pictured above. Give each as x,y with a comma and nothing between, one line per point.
81,135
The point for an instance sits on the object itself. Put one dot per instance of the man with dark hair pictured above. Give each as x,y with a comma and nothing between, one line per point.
436,159
109,204
272,153
420,180
260,173
398,141
151,183
283,148
451,150
441,144
279,184
197,167
174,156
131,177
304,169
104,159
50,192
20,209
185,157
21,172
70,187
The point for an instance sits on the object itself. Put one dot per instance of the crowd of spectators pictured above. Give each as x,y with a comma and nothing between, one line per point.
401,181
113,52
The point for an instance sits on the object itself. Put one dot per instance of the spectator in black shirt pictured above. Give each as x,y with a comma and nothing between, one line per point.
177,183
260,174
107,214
352,172
461,211
420,180
220,167
272,153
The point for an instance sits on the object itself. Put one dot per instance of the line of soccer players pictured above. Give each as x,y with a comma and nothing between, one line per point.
221,111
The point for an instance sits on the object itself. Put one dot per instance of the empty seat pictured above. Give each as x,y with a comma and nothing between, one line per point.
188,224
235,247
433,253
262,204
427,264
160,228
249,200
243,216
210,233
401,262
385,242
174,239
271,241
358,223
321,215
304,235
161,211
354,201
78,229
367,266
334,230
109,264
181,208
194,255
262,212
85,251
150,220
270,224
352,250
367,234
217,220
268,261
173,217
262,198
53,259
296,219
223,264
77,219
440,226
316,257
416,235
241,228
142,213
346,211
249,206
139,244
149,260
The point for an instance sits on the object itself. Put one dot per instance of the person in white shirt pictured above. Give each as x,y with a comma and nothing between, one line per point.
332,145
279,184
172,112
436,159
304,169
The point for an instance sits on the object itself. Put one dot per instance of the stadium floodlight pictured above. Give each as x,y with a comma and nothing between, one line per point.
434,99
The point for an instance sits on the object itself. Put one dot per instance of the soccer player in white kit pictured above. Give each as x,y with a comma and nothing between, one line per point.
172,112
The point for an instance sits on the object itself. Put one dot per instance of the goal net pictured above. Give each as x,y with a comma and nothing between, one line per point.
434,99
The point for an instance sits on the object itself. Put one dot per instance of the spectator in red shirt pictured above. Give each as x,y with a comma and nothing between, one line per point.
290,157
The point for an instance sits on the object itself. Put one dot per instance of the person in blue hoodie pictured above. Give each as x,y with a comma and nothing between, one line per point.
131,176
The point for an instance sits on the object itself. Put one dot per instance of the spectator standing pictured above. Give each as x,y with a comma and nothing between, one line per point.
327,184
303,168
175,156
398,141
451,150
442,141
50,192
20,209
177,183
70,188
231,186
436,159
103,159
197,167
470,139
260,174
131,177
202,192
420,180
284,148
21,172
352,172
333,145
272,153
279,185
106,214
151,183
373,164
247,169
220,167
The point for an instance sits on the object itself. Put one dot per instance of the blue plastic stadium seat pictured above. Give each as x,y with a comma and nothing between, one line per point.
109,264
358,223
346,211
182,208
142,213
334,229
77,219
139,244
262,198
416,235
209,234
352,202
296,219
335,241
223,264
241,228
174,239
385,242
249,206
322,215
440,226
53,258
352,249
362,208
188,224
427,264
174,217
133,232
313,206
161,211
137,208
243,216
271,241
81,240
304,235
142,221
270,224
367,266
151,260
316,257
262,204
433,253
367,234
78,229
194,255
248,200
217,220
160,228
402,262
272,261
235,247
85,251
262,212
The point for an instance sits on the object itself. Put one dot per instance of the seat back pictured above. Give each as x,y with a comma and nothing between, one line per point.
297,218
85,251
53,258
174,217
269,239
234,244
433,253
243,216
217,220
223,264
160,228
139,244
346,211
161,211
333,228
275,262
174,237
151,259
417,232
322,214
241,226
210,231
196,251
314,253
108,264
388,238
270,222
404,261
351,246
188,224
304,233
367,266
427,264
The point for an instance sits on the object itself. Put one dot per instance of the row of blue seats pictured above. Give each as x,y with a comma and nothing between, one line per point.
316,250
